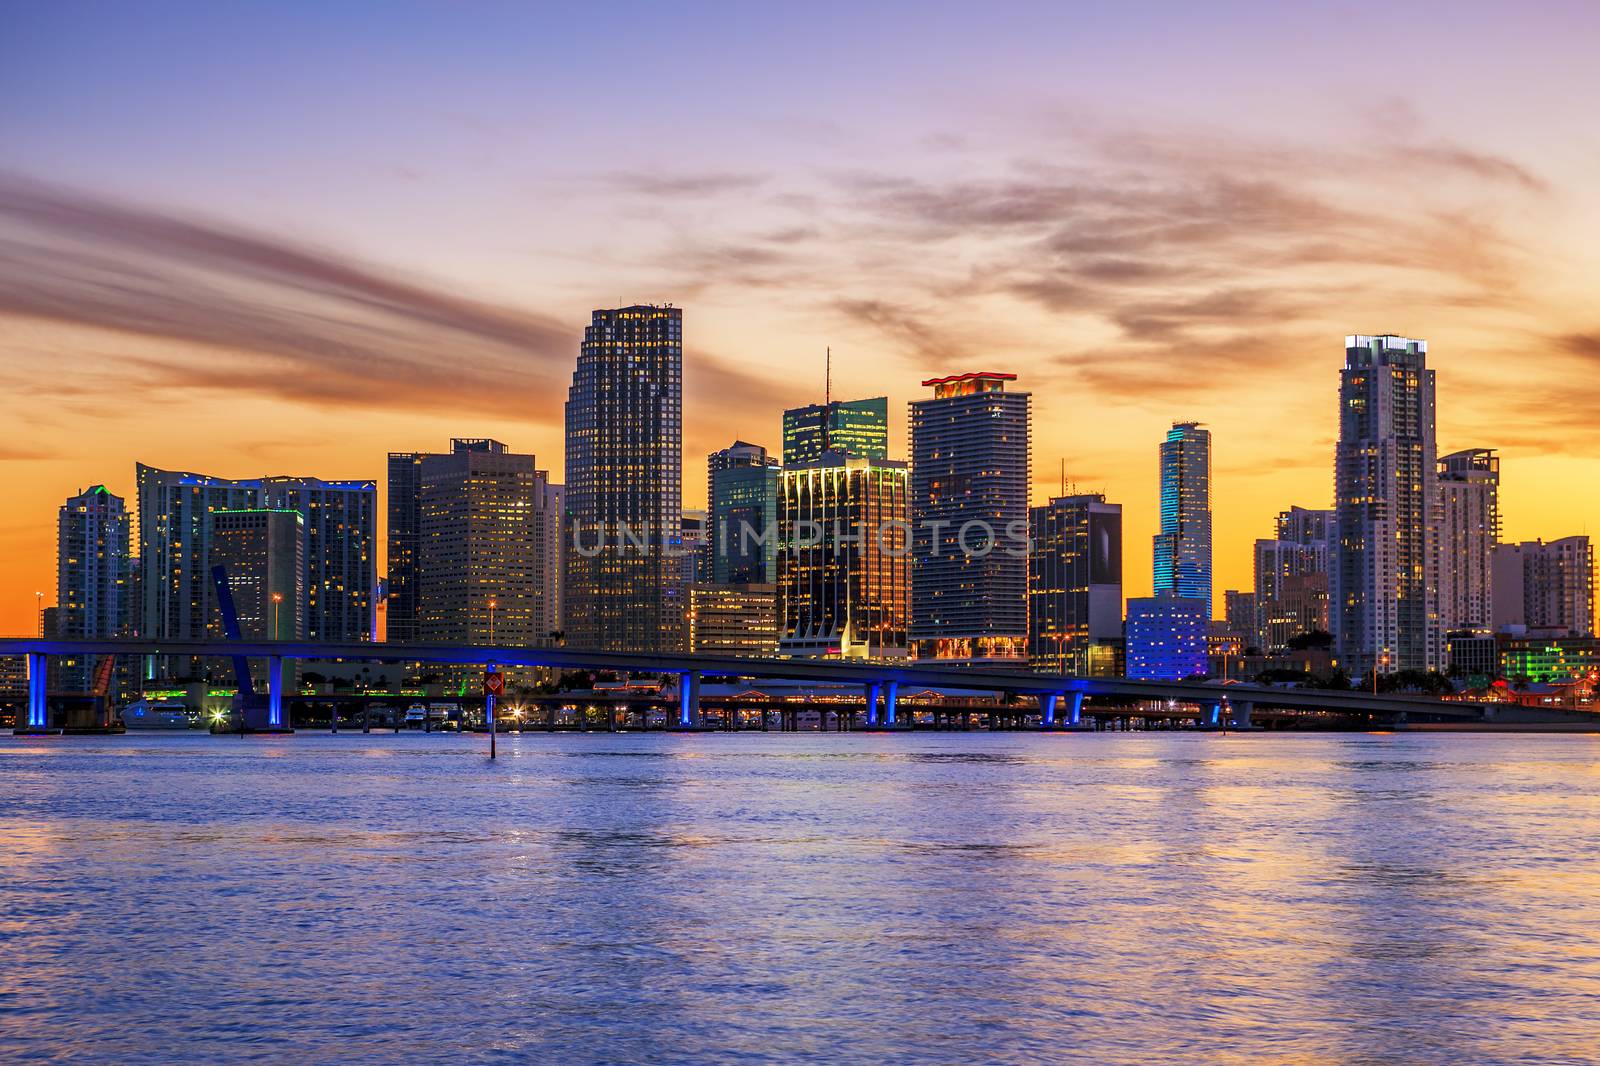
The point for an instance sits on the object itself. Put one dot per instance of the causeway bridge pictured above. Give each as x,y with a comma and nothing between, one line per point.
1060,699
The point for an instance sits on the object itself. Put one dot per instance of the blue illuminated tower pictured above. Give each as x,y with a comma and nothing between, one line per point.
1183,547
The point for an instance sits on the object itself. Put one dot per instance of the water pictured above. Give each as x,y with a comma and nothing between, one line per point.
945,898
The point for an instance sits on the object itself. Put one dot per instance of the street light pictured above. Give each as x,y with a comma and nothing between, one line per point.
491,621
38,604
277,598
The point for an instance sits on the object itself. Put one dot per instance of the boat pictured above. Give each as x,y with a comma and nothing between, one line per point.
157,714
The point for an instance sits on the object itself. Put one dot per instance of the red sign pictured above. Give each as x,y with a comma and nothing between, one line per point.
494,683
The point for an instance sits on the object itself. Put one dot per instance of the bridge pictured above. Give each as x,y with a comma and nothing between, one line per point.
1060,699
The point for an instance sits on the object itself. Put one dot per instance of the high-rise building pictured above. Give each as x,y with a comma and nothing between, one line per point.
855,428
1166,638
1241,619
1545,587
263,554
338,525
1183,547
844,573
624,483
339,521
1075,582
1291,578
555,568
743,492
970,474
401,618
93,586
695,552
1316,529
482,558
734,619
1384,584
1467,532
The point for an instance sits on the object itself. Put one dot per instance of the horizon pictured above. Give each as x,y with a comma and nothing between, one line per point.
299,275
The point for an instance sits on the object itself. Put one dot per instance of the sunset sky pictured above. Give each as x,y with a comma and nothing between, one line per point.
288,238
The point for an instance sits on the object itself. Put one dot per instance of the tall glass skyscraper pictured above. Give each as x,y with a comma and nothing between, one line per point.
1183,547
93,577
1383,595
969,510
624,483
853,428
744,514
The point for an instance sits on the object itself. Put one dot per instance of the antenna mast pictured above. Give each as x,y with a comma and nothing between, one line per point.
827,396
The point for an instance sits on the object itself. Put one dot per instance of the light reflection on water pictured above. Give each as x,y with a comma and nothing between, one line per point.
1106,898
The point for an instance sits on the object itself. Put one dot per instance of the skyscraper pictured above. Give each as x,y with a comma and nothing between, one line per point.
1383,591
1183,547
853,428
694,560
1467,531
404,532
1291,578
555,564
263,554
482,558
1075,583
1545,586
92,577
969,513
743,490
339,522
624,483
844,574
338,525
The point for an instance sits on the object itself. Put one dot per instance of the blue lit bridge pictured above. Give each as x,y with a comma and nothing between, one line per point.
1058,701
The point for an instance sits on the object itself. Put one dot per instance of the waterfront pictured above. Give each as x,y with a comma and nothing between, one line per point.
958,897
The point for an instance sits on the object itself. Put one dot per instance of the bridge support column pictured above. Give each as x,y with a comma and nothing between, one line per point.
1075,715
1047,709
891,690
1214,714
1240,712
688,699
38,719
275,692
872,689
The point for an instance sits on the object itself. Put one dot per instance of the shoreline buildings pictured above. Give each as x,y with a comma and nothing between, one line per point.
175,537
970,476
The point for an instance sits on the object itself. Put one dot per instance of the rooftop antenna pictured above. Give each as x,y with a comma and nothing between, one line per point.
1063,475
827,395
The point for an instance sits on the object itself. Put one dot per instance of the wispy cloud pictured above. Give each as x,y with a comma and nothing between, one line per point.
271,317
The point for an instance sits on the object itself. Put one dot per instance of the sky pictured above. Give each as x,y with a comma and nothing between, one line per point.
251,239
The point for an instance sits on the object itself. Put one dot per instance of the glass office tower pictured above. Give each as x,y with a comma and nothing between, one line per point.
624,484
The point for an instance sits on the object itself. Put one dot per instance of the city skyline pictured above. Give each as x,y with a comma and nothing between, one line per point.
283,305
